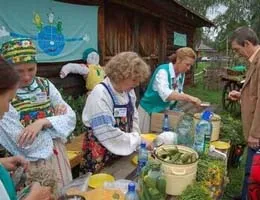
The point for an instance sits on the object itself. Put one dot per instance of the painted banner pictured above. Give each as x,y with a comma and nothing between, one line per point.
61,31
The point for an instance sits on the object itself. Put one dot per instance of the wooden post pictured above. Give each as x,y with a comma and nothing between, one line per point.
101,33
193,45
136,48
163,41
227,46
136,33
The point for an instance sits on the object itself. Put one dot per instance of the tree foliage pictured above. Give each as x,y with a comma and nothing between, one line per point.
200,6
238,13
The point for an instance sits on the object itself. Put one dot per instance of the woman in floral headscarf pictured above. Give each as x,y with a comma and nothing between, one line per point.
38,121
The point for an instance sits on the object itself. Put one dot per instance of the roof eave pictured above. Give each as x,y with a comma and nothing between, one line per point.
204,21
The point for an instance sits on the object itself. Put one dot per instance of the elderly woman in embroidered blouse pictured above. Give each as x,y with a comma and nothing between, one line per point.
166,87
39,120
110,115
9,80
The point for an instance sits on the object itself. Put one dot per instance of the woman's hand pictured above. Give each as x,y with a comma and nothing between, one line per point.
60,109
149,144
12,163
39,192
29,133
175,96
195,100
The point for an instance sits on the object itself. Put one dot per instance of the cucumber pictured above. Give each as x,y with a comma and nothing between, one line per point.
146,194
150,182
193,158
185,158
161,184
175,157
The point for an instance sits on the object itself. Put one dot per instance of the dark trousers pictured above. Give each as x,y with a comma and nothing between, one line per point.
250,154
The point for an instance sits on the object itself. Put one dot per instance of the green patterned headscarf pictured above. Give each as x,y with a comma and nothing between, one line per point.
19,51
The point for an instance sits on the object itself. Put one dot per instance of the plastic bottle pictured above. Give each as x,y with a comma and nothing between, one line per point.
131,193
166,136
142,157
166,123
203,133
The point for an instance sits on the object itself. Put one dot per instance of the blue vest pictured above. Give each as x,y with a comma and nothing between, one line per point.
151,101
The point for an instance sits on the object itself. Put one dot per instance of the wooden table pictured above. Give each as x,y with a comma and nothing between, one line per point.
125,169
75,145
120,169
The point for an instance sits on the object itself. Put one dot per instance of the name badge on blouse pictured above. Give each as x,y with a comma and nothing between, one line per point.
40,97
120,112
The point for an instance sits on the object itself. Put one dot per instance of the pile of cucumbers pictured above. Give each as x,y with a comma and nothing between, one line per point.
175,156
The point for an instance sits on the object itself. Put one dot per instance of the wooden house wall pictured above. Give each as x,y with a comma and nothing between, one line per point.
119,30
73,84
128,30
150,36
149,40
145,27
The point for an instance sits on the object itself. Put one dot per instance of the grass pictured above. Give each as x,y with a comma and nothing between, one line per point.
235,175
200,66
234,187
214,97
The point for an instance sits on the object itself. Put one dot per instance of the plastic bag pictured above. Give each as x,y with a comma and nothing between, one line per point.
167,137
121,184
80,183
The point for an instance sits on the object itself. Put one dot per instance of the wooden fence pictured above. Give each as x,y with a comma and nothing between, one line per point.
211,78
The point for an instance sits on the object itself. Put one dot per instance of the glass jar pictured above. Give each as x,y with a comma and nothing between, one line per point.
152,183
185,131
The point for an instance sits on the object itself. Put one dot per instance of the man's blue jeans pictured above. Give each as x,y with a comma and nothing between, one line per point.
250,154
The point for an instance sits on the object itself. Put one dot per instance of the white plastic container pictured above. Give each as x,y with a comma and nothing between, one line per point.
178,176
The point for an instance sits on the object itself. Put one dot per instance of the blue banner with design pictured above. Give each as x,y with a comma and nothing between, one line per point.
61,31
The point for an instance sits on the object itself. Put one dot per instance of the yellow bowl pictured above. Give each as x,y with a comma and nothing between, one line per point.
220,145
135,159
72,154
149,136
97,180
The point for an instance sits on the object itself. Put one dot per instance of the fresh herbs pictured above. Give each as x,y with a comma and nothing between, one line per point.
195,192
231,129
77,104
210,177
